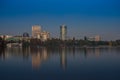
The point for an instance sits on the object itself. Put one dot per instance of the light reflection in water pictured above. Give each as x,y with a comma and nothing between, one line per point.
42,54
38,57
37,62
63,58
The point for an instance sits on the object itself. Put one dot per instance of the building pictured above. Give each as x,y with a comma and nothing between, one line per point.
39,34
36,30
91,38
5,36
25,34
45,35
26,37
63,32
97,38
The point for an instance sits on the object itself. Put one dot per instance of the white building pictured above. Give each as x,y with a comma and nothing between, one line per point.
63,32
97,38
36,30
45,36
5,36
39,34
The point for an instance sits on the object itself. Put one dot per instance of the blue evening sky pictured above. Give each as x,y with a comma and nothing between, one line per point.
82,17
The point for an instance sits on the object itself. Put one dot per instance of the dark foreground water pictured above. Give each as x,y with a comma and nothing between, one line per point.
60,64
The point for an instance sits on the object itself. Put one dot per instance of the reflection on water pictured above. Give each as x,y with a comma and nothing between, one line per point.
2,53
71,60
40,55
63,58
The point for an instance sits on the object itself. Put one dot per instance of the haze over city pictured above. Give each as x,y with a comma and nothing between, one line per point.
82,17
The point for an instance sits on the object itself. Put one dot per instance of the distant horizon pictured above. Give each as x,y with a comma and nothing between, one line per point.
82,18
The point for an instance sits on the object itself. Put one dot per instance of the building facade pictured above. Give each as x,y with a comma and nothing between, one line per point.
36,30
63,32
97,38
6,36
45,35
39,34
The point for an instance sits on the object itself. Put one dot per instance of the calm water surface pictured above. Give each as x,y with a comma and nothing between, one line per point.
60,64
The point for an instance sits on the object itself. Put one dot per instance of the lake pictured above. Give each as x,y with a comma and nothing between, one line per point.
41,63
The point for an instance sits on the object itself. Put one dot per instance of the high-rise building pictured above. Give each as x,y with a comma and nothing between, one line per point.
45,35
36,30
39,34
63,32
97,38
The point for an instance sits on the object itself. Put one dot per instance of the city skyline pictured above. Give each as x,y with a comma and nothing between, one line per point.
83,18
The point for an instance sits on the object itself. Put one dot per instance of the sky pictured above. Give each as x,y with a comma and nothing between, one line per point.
82,17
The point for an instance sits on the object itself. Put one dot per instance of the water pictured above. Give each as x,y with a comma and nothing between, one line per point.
60,64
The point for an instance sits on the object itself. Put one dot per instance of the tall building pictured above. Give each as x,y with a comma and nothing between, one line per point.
39,34
45,35
63,32
97,38
36,30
